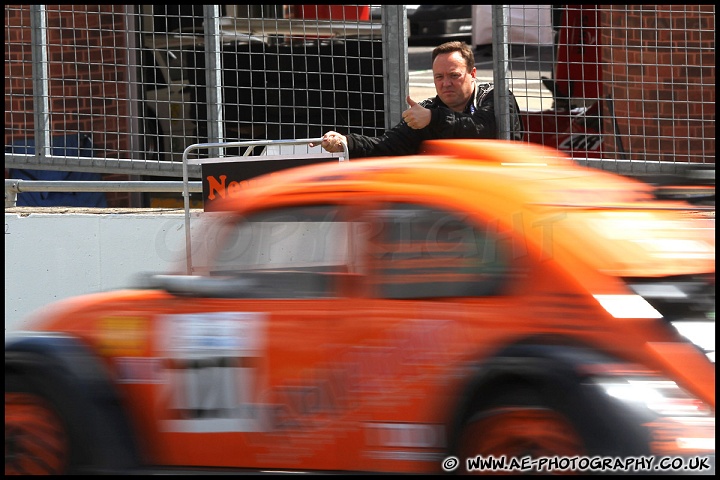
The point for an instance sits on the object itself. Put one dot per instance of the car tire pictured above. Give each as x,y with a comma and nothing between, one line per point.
40,439
518,422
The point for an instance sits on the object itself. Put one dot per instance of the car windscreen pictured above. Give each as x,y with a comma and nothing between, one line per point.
310,238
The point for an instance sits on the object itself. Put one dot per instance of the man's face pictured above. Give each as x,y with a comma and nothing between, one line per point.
453,82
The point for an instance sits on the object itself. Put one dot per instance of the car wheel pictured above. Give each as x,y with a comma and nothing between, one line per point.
518,423
37,440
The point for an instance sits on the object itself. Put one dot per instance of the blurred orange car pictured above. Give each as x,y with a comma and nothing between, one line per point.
485,298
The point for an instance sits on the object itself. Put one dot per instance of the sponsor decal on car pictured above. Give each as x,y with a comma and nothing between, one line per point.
122,335
211,372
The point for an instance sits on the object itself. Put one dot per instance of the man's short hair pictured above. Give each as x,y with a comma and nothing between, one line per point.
456,46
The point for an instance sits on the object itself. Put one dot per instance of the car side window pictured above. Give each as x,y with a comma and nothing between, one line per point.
298,249
421,252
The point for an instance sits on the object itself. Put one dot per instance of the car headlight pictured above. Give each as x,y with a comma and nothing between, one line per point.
681,425
686,302
627,306
701,334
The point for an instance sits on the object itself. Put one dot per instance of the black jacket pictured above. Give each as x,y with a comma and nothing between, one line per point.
476,121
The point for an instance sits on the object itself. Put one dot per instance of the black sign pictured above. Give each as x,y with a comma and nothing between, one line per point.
223,178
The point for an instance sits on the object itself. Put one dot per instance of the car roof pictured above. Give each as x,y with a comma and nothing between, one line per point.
511,182
520,174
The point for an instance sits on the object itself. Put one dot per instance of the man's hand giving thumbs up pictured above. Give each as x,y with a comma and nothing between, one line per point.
416,116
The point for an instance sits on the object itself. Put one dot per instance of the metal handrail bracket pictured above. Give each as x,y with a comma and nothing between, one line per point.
245,157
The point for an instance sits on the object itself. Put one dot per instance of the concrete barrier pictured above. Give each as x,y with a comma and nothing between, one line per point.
53,253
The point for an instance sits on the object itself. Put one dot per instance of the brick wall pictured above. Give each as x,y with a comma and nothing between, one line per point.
659,69
18,67
88,88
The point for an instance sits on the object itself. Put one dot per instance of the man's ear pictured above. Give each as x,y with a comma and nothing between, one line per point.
473,72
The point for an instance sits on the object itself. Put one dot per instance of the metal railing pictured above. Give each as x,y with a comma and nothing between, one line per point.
218,149
15,186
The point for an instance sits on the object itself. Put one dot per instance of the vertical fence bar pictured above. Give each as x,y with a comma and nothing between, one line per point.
213,77
40,80
133,59
500,70
395,61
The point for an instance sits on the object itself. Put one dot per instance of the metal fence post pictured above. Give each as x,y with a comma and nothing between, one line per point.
500,69
40,77
395,61
214,77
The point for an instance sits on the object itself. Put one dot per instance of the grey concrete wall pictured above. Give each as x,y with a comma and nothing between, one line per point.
55,253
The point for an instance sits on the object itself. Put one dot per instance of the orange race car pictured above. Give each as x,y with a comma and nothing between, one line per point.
483,301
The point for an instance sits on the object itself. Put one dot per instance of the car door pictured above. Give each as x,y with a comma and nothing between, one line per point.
433,275
249,378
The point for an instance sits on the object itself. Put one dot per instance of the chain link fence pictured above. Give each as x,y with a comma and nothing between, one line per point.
624,87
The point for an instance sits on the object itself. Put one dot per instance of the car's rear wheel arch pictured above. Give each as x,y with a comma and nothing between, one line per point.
61,373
